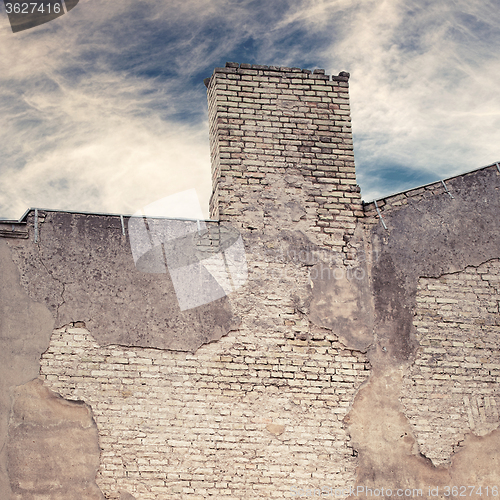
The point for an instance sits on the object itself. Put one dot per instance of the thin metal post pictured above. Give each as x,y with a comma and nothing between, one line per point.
123,225
380,215
498,167
446,189
36,225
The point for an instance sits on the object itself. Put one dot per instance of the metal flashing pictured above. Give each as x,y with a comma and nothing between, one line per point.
22,219
446,189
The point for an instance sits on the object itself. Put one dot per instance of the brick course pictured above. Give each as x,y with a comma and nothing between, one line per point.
453,386
178,425
281,138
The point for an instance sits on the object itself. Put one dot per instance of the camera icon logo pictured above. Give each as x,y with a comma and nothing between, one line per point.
204,263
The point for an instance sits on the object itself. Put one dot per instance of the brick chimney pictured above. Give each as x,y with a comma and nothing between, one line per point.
281,151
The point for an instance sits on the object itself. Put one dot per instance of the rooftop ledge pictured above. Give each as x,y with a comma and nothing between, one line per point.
434,183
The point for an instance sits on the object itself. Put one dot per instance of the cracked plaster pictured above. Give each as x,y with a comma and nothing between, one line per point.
449,235
82,270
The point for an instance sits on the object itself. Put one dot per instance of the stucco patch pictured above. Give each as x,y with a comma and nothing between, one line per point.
52,448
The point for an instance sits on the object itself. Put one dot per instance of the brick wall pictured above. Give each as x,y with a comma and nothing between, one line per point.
453,386
250,416
282,154
261,410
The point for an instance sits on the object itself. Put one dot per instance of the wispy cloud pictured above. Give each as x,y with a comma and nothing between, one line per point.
82,128
104,109
424,89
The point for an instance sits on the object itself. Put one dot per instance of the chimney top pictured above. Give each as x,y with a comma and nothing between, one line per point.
234,67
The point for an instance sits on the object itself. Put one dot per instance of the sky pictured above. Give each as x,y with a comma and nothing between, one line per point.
104,109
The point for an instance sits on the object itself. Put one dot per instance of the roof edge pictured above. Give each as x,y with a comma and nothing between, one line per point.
497,164
102,214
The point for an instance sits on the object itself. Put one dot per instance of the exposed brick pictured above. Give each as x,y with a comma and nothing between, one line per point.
449,391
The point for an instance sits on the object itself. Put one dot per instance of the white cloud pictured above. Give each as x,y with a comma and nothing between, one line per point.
82,129
88,122
421,94
99,142
106,157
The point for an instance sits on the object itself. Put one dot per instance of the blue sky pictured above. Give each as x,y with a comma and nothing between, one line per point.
104,109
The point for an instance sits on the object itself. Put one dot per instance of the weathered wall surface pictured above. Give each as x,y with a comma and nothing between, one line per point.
52,449
354,355
25,329
248,417
82,269
430,235
257,410
453,387
282,154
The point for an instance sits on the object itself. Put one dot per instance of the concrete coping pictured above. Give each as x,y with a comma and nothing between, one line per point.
42,212
408,193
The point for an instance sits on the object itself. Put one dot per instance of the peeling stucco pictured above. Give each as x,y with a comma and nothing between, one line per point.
430,236
389,456
342,298
52,448
25,330
82,269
